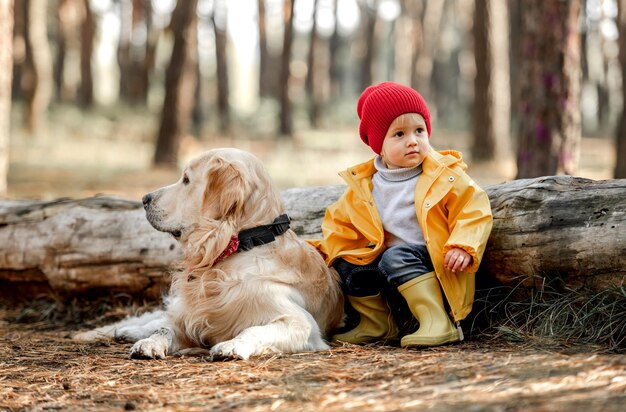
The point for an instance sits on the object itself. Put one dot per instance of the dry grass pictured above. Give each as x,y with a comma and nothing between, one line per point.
43,369
553,317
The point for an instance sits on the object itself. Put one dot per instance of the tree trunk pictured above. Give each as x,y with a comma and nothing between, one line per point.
620,165
123,46
86,247
264,68
221,38
88,29
515,26
147,65
286,120
404,37
198,114
180,82
602,80
414,9
558,228
554,229
334,70
135,59
6,66
37,76
549,118
431,26
491,87
19,50
312,90
367,45
63,12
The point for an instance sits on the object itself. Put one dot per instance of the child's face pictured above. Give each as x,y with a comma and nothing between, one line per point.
406,142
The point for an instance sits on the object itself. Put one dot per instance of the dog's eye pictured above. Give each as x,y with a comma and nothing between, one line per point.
185,180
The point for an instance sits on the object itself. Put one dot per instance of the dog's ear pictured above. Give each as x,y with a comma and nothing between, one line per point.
226,188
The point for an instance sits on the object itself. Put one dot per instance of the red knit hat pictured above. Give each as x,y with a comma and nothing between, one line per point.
378,107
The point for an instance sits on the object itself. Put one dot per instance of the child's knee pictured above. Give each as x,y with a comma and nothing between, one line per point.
401,263
397,258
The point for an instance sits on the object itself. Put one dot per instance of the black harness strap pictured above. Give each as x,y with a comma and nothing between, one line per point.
261,235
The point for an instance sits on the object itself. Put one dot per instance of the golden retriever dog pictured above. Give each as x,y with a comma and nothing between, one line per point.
250,286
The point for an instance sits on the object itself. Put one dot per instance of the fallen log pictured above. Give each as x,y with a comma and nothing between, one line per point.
551,228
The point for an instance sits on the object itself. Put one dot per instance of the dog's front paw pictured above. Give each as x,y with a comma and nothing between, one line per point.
232,349
149,348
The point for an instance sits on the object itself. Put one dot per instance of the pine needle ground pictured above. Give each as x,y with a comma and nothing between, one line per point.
552,352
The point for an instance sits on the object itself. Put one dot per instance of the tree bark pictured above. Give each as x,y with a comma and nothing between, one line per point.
558,228
82,247
6,66
180,82
563,230
550,77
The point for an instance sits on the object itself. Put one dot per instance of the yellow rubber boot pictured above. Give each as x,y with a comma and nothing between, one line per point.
423,296
376,322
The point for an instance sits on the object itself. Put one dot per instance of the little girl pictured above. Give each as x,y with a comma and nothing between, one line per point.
412,218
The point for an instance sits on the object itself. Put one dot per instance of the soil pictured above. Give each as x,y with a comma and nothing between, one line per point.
43,369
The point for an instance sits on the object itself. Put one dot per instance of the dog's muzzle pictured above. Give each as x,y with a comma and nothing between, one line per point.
154,218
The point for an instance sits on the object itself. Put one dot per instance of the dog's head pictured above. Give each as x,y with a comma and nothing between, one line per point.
219,193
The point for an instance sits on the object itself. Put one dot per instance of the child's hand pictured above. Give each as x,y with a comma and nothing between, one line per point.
457,259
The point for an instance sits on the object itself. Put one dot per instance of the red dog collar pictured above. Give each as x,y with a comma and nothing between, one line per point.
232,247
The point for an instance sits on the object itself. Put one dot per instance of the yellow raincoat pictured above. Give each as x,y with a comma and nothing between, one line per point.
451,209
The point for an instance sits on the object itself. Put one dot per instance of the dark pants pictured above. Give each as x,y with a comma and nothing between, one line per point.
394,267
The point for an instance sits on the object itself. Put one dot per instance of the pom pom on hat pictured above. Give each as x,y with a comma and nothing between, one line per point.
379,105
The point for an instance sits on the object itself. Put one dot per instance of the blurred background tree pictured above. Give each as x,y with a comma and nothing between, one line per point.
549,79
523,81
180,82
492,87
620,165
6,67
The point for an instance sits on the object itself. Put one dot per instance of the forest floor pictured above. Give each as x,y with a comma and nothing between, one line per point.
41,368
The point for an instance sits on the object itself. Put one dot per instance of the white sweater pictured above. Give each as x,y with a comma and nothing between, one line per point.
394,195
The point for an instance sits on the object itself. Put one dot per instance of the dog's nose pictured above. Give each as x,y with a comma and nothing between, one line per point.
147,199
